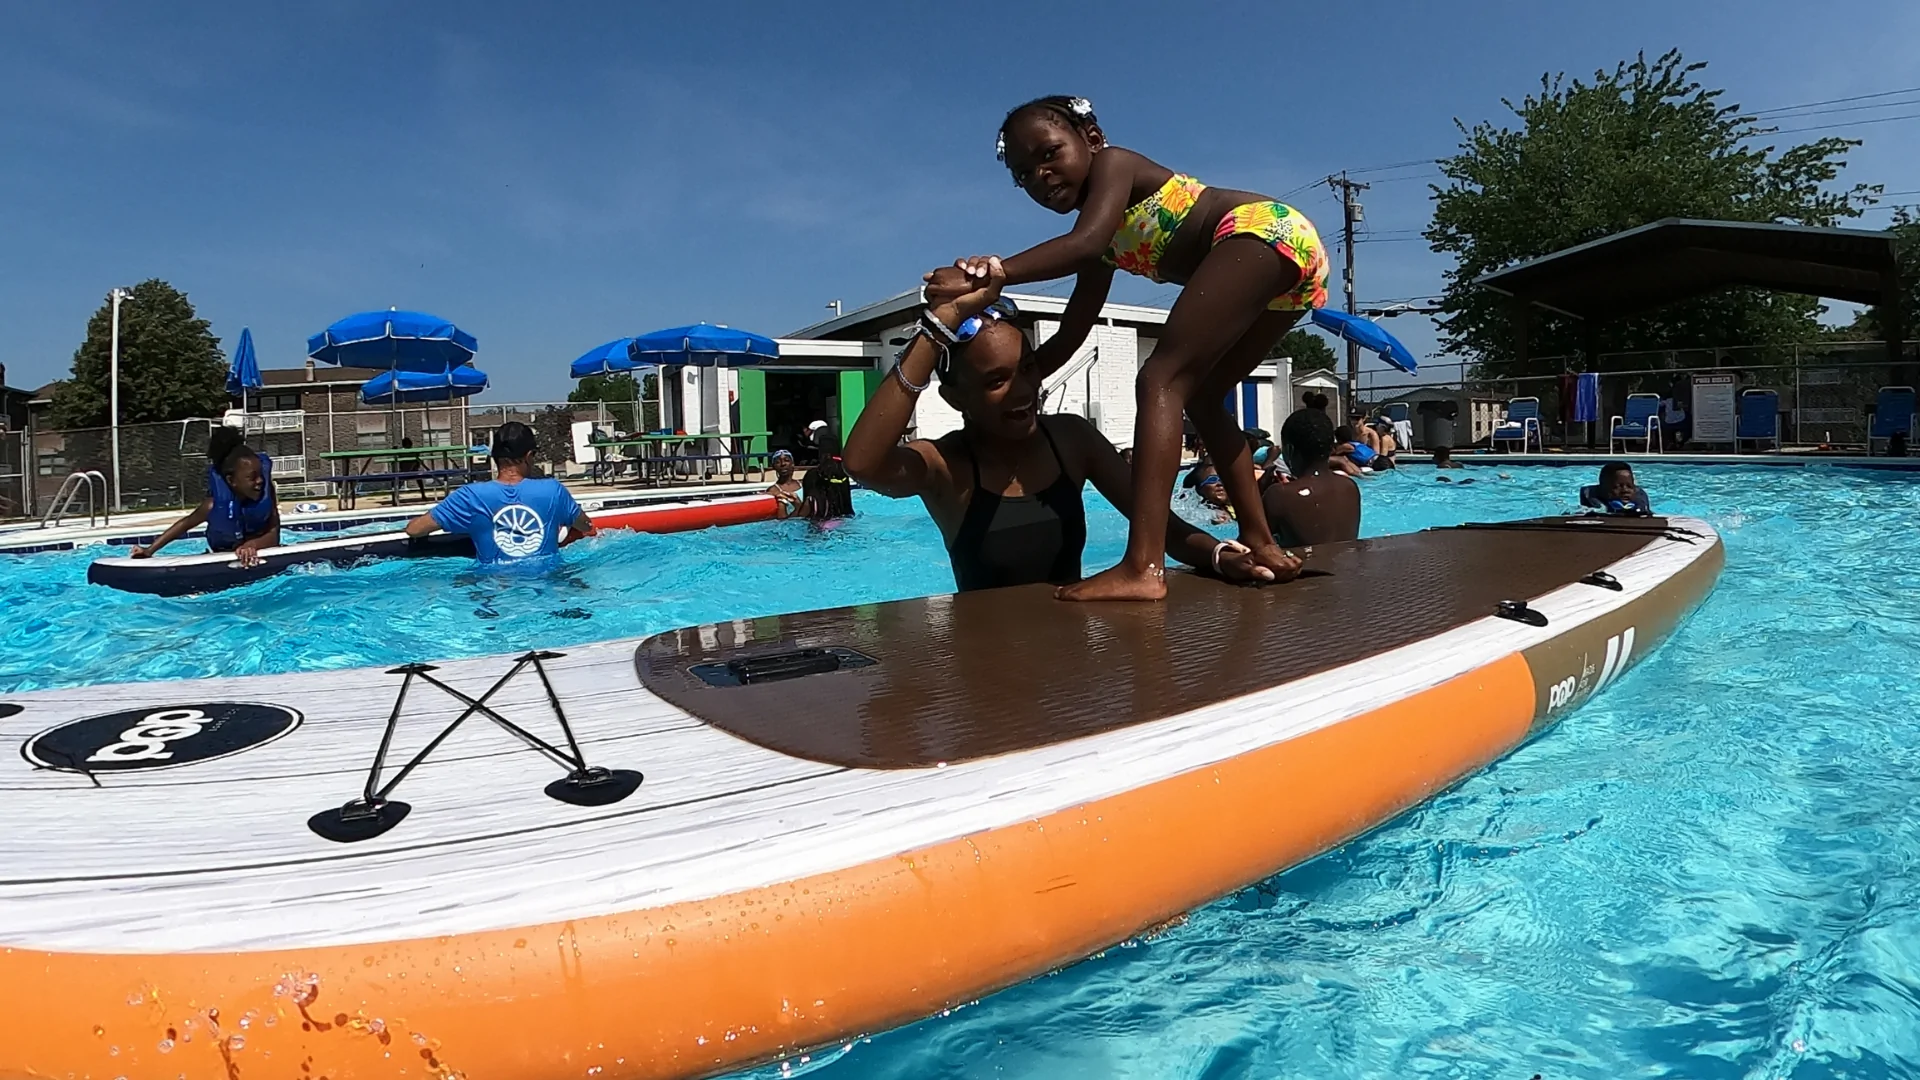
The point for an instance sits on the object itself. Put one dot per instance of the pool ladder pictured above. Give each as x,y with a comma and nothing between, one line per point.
89,482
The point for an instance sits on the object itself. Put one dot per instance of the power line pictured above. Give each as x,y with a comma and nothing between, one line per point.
1850,108
1395,165
1834,101
1830,127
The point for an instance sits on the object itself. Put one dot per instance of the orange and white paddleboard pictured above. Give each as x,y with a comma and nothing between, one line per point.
677,856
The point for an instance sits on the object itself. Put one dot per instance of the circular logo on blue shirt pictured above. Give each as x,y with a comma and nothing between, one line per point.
518,531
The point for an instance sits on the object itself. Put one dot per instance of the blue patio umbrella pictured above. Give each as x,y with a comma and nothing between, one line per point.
395,341
393,387
703,345
243,374
1368,335
615,356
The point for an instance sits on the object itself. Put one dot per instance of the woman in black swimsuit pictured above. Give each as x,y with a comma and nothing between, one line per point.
1005,489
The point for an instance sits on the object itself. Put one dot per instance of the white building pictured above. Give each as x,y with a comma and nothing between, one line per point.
1097,383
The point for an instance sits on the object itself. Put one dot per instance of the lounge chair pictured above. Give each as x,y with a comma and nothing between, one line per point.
1521,424
1642,421
1759,419
1893,414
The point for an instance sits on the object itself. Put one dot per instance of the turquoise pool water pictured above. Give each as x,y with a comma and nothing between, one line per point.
1712,870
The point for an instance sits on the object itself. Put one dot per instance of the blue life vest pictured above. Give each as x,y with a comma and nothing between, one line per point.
1362,454
1638,506
231,520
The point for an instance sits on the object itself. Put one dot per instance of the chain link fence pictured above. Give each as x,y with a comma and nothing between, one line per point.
16,488
165,465
1827,390
161,465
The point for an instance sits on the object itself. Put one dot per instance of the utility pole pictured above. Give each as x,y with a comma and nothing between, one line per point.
1351,214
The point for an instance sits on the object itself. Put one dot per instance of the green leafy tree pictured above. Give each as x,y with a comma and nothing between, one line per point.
1639,143
622,393
170,363
1309,351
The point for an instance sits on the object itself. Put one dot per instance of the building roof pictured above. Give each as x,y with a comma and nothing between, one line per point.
316,375
45,393
870,321
1677,258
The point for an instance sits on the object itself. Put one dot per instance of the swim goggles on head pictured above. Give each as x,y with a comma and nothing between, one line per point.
1000,310
781,455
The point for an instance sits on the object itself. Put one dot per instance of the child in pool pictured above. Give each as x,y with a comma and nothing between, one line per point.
1252,267
239,511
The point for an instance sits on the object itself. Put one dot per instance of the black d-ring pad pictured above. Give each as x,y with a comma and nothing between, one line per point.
1518,611
594,786
358,820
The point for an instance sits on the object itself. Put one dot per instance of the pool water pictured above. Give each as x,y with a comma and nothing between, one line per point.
1711,870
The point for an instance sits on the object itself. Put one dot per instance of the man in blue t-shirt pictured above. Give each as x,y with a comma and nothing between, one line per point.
511,517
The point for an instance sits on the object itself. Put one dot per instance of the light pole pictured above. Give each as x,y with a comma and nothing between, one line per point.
834,306
113,392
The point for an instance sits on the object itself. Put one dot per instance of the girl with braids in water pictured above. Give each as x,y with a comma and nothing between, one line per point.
239,511
1251,267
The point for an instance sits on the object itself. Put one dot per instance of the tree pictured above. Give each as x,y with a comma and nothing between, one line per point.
1309,351
1637,144
620,390
170,363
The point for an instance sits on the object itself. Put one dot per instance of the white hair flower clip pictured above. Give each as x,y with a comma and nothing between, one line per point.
1081,107
1000,146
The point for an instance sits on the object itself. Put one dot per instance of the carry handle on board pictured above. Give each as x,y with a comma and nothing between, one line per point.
775,667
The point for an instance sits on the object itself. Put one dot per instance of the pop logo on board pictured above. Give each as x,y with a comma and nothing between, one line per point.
1563,694
159,738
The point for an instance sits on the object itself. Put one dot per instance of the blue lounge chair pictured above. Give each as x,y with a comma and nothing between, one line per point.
1893,414
1759,419
1521,424
1395,411
1642,421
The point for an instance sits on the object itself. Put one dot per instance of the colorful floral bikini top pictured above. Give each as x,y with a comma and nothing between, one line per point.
1148,227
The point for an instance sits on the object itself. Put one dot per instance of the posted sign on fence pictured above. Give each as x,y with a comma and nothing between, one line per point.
1713,408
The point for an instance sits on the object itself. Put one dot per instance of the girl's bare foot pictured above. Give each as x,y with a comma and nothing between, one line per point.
1121,582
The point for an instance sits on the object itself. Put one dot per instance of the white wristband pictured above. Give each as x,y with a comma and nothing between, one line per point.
1238,549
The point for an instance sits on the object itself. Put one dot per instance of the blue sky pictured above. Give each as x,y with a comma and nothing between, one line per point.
552,177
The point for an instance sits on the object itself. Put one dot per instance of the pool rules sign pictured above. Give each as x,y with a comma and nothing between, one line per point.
1713,408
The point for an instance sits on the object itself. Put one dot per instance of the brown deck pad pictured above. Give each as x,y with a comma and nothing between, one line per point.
956,678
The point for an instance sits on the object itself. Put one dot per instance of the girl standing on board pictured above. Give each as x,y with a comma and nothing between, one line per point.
1251,267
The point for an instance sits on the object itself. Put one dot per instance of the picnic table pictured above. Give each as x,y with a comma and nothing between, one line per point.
653,453
347,481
